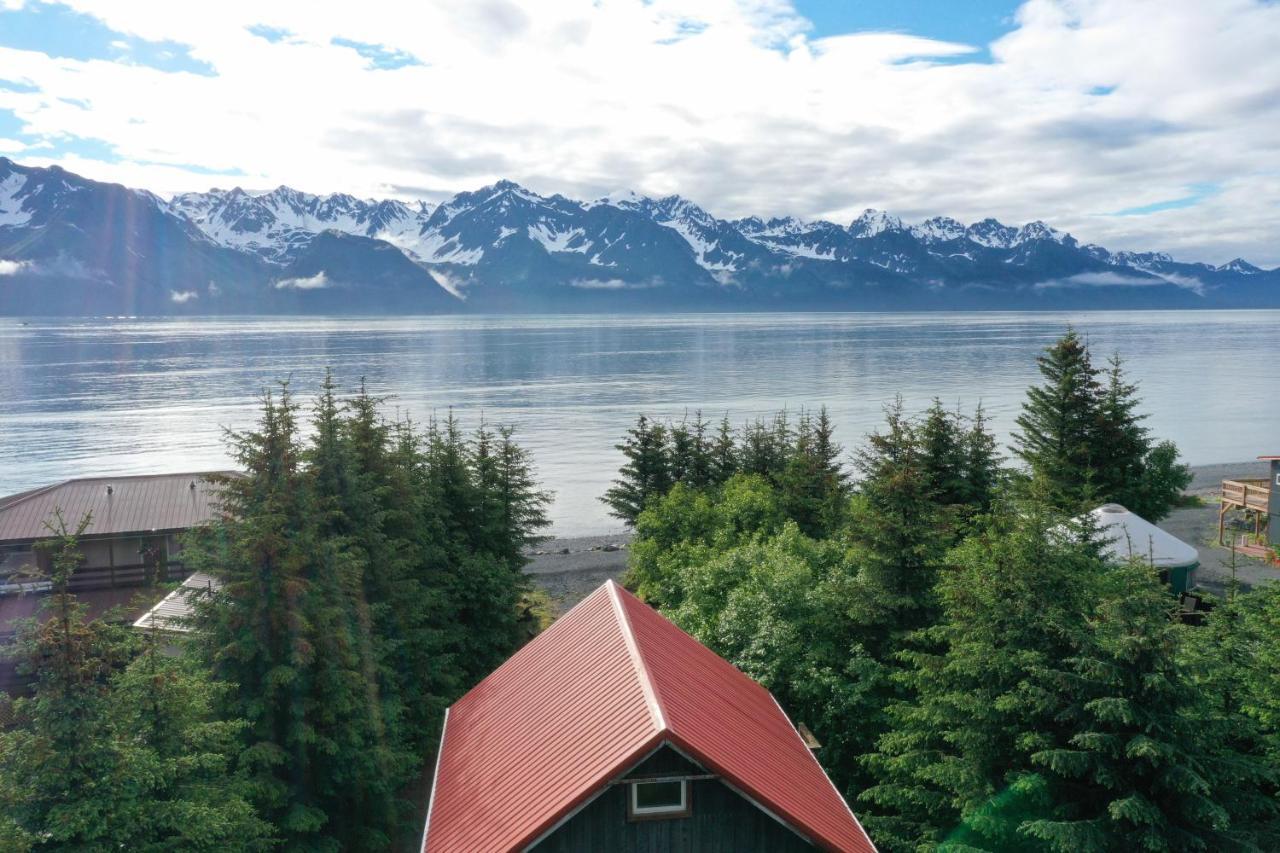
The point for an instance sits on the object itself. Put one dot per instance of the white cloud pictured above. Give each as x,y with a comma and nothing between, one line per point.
314,282
453,284
14,267
613,284
728,102
182,297
1115,279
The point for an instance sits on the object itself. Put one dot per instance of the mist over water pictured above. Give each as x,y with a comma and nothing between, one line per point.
129,396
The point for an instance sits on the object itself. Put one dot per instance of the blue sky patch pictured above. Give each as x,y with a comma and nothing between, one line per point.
60,32
10,126
975,22
1196,194
379,56
275,35
193,167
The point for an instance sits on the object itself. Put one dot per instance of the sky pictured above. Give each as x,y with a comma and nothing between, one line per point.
1136,124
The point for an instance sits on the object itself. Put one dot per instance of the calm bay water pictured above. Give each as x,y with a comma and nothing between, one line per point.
87,397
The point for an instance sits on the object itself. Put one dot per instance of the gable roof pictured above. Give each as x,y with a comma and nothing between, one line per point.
138,504
591,696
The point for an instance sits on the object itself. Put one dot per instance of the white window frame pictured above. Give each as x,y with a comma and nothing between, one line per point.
658,811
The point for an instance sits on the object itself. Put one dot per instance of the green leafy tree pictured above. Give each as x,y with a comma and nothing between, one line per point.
689,525
777,608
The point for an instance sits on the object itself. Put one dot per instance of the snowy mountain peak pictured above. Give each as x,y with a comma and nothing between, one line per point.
939,229
992,234
872,222
1239,265
1041,231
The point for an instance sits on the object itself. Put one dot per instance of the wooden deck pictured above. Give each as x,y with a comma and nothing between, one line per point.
1252,497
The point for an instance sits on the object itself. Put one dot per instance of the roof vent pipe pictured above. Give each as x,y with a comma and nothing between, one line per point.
110,490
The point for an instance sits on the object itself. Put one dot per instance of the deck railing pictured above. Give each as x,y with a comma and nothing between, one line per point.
1247,494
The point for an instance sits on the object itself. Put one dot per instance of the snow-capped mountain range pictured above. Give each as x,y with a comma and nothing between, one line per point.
72,244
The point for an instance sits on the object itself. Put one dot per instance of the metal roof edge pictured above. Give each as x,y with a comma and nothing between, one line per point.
540,638
822,770
435,778
637,659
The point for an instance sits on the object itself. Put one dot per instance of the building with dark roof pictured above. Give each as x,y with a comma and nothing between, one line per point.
133,540
134,528
614,730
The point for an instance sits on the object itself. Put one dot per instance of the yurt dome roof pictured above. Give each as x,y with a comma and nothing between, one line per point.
1127,535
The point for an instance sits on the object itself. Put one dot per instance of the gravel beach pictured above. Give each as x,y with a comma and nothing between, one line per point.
569,569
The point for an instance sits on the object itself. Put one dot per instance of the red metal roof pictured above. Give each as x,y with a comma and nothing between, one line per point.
119,505
589,698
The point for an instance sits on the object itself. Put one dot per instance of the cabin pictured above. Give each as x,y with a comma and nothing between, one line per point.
1258,501
132,542
614,730
133,534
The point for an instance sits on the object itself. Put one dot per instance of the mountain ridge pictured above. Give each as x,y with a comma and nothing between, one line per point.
69,244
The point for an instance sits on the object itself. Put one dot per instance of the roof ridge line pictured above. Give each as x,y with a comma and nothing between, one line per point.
637,660
23,497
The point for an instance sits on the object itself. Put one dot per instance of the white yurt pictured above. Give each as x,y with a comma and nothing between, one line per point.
1128,535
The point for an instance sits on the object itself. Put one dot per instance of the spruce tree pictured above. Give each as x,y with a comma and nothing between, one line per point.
894,525
943,456
979,689
814,485
60,764
723,462
983,474
1058,430
283,632
1083,441
1147,764
645,474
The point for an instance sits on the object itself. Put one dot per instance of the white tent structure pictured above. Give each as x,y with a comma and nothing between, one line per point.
1127,536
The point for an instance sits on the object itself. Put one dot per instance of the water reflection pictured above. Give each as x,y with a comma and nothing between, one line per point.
127,395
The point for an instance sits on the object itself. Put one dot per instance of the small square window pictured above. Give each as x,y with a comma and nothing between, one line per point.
659,798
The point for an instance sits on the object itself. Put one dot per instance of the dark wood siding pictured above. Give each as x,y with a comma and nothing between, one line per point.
721,821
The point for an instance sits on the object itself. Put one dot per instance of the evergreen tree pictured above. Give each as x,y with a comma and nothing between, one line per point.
1059,427
894,524
112,755
60,765
983,473
186,793
1083,439
645,474
814,484
980,690
1147,764
723,461
282,631
943,455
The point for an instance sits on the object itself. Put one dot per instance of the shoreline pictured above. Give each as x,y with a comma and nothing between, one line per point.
569,567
